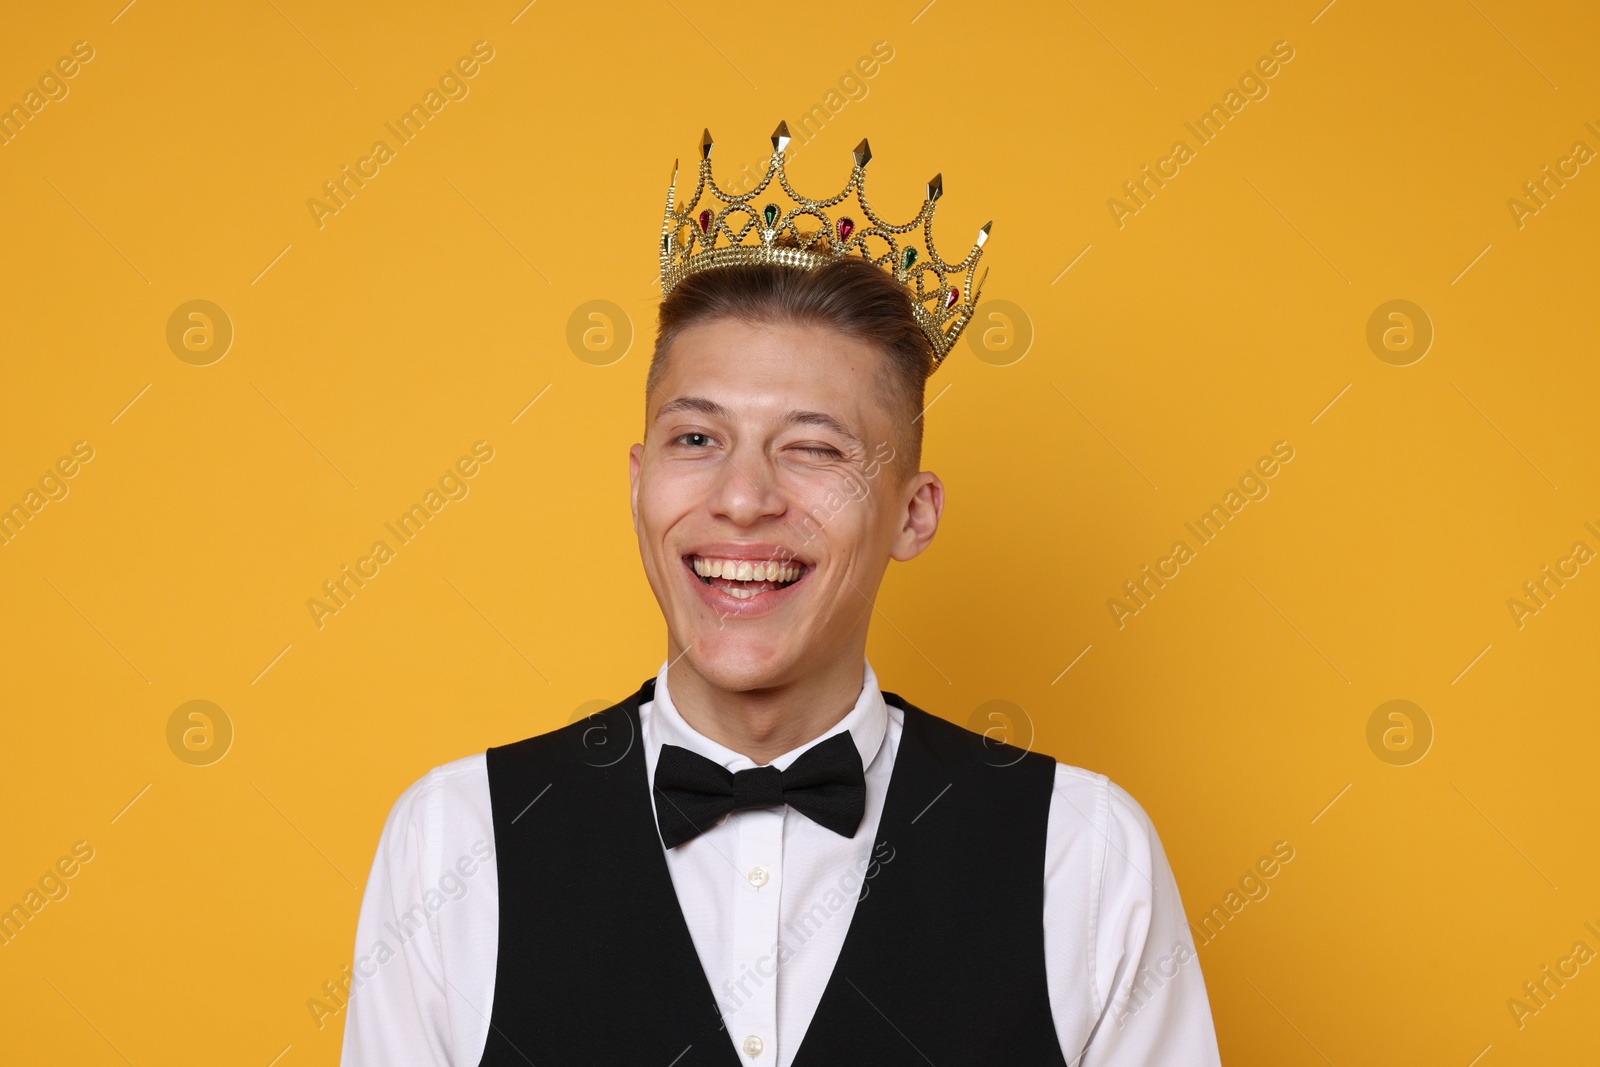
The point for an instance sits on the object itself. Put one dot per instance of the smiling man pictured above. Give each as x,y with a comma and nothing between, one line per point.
760,857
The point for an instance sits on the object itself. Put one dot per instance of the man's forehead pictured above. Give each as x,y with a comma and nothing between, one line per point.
787,372
802,357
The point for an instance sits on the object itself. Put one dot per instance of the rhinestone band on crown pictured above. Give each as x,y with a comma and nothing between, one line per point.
943,295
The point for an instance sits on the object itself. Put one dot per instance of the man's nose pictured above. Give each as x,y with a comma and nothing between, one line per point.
747,488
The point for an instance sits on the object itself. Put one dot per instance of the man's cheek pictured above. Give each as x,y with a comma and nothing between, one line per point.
855,488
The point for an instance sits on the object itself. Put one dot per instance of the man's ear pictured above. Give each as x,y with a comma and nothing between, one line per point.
635,458
919,519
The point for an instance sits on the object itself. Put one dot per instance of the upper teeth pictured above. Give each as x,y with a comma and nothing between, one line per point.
744,570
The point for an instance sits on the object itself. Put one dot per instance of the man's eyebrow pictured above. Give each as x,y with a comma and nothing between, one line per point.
711,409
823,419
697,404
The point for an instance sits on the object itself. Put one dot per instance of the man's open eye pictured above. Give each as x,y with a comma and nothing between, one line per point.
700,440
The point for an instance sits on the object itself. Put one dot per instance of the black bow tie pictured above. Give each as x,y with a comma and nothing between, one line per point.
693,793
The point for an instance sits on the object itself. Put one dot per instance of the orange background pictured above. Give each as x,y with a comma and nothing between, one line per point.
1228,313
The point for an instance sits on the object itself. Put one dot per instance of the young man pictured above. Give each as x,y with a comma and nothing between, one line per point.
760,857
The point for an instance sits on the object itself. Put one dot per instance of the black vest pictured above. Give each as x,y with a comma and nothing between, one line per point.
943,960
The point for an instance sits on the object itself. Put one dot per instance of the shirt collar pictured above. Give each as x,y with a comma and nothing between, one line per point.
867,723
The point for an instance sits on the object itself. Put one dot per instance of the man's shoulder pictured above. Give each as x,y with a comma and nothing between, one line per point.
459,785
1080,784
443,813
1090,804
455,798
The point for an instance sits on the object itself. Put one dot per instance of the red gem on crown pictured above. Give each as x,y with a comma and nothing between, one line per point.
846,228
705,221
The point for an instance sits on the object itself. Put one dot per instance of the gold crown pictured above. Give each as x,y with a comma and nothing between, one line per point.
943,295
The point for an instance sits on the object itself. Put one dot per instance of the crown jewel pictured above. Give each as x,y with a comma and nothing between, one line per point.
716,228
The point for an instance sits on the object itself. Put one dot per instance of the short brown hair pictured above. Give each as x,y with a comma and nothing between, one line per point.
849,294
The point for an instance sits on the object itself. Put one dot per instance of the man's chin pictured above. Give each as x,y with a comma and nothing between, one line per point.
741,662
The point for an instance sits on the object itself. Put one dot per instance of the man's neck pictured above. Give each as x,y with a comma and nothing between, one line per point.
765,723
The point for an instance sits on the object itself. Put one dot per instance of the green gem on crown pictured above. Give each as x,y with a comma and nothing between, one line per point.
907,258
770,213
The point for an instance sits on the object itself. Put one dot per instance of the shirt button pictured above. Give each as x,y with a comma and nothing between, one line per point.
753,1045
758,877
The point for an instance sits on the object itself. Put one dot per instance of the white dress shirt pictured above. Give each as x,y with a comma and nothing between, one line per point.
1124,983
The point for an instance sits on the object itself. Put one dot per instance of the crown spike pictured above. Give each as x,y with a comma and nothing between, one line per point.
943,295
672,186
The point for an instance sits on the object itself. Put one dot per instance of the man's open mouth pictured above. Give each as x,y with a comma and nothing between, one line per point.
744,578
